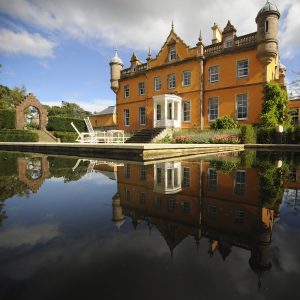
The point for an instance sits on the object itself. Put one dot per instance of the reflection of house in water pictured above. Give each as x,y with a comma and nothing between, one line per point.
33,171
192,199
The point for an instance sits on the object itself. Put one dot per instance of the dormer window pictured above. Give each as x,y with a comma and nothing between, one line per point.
172,54
228,42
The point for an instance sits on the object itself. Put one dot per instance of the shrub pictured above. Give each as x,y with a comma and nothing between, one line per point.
11,135
224,122
266,135
297,134
7,118
248,134
64,124
225,139
66,137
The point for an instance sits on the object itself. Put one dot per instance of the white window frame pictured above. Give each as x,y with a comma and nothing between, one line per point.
239,104
126,118
240,187
141,88
239,217
185,112
172,53
142,173
126,91
171,81
127,170
242,70
171,203
157,83
186,78
210,100
212,187
140,116
214,73
186,177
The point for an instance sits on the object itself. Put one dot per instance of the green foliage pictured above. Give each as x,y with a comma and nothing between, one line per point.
7,118
266,135
248,134
225,165
224,122
67,109
14,135
66,137
274,111
10,98
59,123
247,159
165,140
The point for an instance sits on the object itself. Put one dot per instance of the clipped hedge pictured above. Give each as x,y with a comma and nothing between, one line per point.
14,135
7,118
224,122
248,134
63,124
66,137
266,135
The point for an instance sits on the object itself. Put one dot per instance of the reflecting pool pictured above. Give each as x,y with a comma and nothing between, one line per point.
217,227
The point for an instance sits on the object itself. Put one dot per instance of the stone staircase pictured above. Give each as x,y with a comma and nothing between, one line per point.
145,135
46,137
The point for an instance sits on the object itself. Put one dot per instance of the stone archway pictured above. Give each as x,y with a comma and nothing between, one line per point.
30,101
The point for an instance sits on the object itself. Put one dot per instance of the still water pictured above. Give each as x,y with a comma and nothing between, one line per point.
221,227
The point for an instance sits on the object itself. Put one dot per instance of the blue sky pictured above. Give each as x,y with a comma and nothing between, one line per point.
60,49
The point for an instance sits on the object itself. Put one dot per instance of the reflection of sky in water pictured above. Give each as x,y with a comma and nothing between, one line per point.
61,242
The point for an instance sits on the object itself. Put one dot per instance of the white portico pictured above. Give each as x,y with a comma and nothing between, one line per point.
167,111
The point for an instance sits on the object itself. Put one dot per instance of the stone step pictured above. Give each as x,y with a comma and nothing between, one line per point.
145,136
46,137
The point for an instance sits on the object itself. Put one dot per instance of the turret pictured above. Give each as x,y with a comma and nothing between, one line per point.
135,61
267,32
116,66
117,214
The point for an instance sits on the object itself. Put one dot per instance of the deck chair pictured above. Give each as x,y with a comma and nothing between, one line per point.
99,136
84,137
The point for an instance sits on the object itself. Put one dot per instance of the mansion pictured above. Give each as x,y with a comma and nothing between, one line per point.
189,87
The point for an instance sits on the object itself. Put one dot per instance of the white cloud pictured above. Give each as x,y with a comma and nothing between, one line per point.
25,43
140,24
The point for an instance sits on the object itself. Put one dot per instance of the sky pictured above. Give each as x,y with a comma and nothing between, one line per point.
60,49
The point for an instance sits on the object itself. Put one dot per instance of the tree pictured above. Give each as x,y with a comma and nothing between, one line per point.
274,111
10,98
68,109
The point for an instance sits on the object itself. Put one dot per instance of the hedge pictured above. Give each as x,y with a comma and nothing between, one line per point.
7,118
248,134
64,124
66,137
13,135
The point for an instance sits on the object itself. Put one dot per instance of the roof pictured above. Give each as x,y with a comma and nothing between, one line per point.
110,110
269,7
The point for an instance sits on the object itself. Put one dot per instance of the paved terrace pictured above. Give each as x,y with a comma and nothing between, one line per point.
128,152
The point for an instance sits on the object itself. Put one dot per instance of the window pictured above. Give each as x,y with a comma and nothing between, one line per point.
239,216
127,195
294,113
172,53
141,88
228,42
185,206
126,117
126,91
213,74
186,177
158,112
171,203
169,111
158,175
242,68
171,81
241,106
143,197
186,111
127,170
157,201
212,179
142,116
267,26
157,83
212,211
240,182
143,172
186,78
213,108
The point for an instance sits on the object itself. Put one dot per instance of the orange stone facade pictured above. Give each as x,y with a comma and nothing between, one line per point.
189,87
